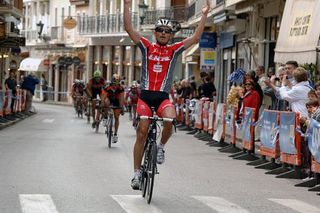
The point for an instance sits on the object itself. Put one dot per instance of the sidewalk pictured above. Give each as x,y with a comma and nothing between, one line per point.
12,119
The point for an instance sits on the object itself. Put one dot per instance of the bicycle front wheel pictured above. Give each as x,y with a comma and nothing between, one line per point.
152,165
110,131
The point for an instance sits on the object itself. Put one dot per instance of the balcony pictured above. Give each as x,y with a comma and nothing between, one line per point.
105,24
79,2
30,35
12,7
179,14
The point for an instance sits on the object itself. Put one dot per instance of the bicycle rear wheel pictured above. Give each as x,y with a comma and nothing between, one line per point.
110,131
152,165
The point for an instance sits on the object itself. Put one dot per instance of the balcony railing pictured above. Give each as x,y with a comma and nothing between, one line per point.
179,14
105,24
30,35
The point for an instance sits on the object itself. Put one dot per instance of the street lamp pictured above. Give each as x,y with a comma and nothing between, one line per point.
142,11
40,28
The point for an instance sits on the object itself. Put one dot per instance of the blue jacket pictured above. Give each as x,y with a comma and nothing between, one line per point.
29,83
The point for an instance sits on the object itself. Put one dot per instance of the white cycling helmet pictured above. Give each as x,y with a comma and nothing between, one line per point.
164,22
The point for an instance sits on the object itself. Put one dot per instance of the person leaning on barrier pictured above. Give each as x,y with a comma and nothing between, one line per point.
29,84
297,96
11,84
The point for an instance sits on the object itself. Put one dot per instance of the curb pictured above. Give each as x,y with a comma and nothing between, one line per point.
16,120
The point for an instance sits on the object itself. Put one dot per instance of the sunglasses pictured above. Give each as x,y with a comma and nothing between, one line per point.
161,30
248,84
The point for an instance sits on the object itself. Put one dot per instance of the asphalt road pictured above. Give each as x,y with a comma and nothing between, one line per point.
53,162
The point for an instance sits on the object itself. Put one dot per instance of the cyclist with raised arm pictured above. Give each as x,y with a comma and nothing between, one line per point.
158,63
94,88
113,95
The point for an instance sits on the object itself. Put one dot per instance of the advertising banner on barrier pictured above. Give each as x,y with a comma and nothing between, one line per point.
205,112
219,122
2,95
314,139
197,113
269,129
211,115
232,112
187,114
247,124
287,133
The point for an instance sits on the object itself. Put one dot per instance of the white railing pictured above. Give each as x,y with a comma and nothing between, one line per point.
104,24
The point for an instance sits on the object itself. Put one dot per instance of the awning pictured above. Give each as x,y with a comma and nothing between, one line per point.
299,32
193,50
232,2
34,65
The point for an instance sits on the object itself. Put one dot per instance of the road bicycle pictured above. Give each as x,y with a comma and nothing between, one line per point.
79,106
149,166
108,123
89,109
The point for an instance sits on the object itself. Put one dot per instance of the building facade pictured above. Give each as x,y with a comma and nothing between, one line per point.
10,40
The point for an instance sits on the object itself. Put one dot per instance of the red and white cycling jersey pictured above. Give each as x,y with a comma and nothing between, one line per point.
158,64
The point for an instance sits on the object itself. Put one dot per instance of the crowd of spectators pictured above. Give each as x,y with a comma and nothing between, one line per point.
288,89
188,88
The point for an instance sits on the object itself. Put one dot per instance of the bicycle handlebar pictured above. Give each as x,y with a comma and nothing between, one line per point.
154,118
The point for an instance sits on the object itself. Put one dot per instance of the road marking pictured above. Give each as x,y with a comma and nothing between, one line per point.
135,203
48,120
37,203
297,205
220,205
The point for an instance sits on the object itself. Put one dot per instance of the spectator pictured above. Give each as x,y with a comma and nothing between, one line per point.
312,95
317,88
261,76
251,99
44,87
21,80
290,67
271,72
11,84
251,75
186,90
29,84
207,89
297,96
274,83
193,85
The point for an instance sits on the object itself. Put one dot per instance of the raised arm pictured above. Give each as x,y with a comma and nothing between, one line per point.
196,36
134,35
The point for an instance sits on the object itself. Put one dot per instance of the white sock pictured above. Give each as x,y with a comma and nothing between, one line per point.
137,172
160,145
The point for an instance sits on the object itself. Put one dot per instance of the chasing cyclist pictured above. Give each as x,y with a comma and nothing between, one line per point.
113,95
132,97
94,89
156,80
77,94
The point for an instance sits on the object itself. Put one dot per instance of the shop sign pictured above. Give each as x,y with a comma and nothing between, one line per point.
207,59
62,60
208,40
68,61
76,60
69,23
13,65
